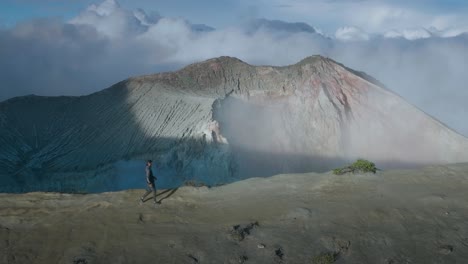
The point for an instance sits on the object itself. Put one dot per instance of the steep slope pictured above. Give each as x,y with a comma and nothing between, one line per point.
217,121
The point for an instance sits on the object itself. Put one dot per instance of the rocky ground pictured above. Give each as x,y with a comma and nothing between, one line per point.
410,216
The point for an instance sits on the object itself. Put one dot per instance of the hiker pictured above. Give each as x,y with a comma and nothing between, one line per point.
150,181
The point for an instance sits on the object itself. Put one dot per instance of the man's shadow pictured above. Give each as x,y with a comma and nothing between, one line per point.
168,192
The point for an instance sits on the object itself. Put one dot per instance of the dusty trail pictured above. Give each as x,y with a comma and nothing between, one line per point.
411,216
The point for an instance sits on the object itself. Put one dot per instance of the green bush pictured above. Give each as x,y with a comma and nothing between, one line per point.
360,166
338,171
324,258
364,166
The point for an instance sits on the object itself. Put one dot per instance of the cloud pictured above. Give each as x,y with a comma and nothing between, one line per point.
113,21
107,43
451,31
48,57
423,33
106,8
375,17
351,34
426,72
410,34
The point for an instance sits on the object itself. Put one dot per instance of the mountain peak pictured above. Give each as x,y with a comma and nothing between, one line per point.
105,8
313,59
279,26
227,60
219,72
218,63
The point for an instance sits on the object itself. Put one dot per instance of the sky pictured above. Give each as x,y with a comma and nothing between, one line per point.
418,48
372,15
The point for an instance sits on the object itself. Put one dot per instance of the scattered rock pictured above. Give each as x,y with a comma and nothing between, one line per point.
446,249
140,218
81,255
239,232
80,261
337,245
279,253
298,213
195,260
398,260
261,245
464,241
343,246
243,259
4,234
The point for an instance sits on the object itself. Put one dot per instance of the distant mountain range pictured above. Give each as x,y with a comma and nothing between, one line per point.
255,25
140,19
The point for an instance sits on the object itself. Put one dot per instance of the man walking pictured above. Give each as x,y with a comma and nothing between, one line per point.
150,181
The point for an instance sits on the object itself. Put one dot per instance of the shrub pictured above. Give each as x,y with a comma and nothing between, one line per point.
360,166
193,183
324,258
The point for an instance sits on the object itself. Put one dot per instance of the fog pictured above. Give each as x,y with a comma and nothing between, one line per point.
338,120
91,52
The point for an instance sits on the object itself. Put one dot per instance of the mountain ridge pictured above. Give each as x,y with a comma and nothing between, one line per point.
224,60
219,121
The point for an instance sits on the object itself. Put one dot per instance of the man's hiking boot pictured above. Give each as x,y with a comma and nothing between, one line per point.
141,200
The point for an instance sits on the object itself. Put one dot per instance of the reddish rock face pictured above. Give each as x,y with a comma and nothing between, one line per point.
319,108
225,120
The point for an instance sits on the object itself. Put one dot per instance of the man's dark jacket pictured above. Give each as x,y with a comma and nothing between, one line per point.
149,175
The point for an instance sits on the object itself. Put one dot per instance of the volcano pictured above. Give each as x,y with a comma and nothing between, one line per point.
217,121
